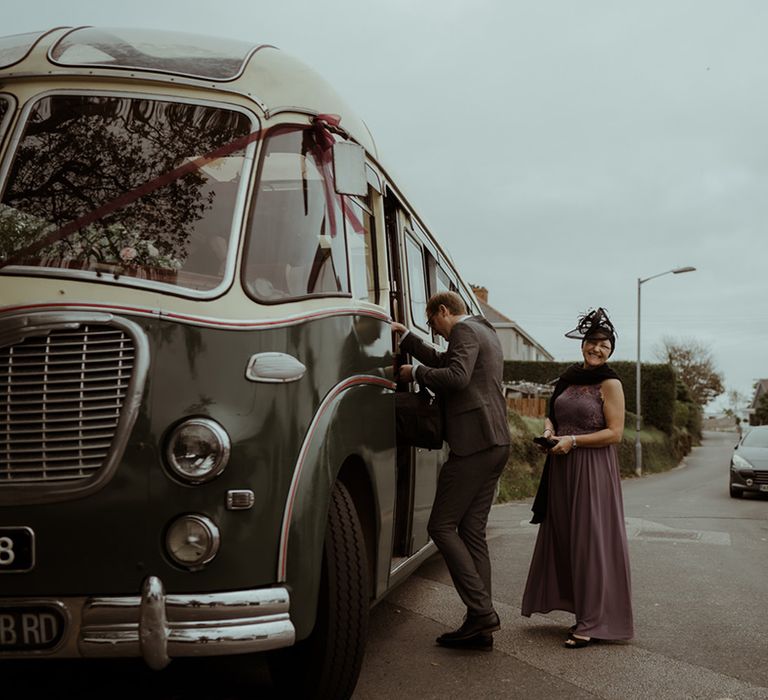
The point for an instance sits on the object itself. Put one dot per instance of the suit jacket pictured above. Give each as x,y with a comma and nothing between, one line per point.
467,376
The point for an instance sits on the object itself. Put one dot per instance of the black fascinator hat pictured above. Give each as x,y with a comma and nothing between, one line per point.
594,324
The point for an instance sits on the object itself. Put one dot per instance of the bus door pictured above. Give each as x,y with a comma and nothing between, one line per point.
417,468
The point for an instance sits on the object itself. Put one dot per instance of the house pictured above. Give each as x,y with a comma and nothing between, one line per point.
516,343
761,388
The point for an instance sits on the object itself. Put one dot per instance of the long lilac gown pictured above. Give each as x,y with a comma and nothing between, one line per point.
580,563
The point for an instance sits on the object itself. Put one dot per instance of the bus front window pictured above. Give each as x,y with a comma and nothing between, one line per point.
136,189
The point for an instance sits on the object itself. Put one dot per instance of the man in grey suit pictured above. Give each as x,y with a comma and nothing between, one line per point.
467,377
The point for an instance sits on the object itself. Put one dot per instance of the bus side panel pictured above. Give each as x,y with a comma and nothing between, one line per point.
108,542
358,426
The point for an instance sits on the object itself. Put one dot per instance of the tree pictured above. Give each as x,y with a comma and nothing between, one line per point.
736,401
693,362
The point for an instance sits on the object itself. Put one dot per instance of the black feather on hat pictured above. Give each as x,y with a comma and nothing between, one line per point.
594,324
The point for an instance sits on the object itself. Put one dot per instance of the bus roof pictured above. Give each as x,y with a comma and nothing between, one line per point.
272,79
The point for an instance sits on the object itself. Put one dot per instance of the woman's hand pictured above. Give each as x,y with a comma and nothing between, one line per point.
564,445
397,327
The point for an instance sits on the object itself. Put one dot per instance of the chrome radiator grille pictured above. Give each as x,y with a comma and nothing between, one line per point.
61,394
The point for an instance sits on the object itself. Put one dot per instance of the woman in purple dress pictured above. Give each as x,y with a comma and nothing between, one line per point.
580,563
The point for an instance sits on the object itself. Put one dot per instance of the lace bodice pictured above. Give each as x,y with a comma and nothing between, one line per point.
579,410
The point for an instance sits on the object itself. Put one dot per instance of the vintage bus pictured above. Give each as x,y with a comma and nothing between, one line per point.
200,255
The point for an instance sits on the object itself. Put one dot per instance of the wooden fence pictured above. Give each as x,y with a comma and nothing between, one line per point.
533,407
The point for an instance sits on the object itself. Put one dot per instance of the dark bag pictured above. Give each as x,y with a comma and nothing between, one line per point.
419,419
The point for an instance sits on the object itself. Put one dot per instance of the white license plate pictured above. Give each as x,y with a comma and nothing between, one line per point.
764,487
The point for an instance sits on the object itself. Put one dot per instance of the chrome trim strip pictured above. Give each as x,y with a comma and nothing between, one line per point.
406,567
427,548
206,321
298,467
159,626
94,73
195,625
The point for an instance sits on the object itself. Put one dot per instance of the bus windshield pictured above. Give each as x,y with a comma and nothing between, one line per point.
134,188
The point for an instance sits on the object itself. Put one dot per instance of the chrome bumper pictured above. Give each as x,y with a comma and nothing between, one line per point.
158,627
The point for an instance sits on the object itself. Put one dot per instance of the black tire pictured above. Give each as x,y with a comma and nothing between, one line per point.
326,665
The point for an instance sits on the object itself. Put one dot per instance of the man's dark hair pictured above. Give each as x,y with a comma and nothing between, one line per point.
450,300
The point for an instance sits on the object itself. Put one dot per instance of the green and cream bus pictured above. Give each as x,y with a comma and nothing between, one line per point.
200,255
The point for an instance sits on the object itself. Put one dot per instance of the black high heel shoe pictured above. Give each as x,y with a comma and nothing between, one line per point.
574,642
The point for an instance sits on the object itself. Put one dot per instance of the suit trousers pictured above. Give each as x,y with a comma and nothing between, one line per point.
465,490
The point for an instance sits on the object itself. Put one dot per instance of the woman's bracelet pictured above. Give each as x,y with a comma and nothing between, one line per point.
573,442
547,430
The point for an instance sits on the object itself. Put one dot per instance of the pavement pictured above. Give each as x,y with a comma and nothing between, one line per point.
692,551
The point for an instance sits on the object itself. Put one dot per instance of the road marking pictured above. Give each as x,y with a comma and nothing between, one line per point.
640,529
650,531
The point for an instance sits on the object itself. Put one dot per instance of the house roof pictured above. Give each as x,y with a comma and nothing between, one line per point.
493,315
761,387
498,319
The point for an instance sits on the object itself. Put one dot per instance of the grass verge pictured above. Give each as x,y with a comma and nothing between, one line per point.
520,478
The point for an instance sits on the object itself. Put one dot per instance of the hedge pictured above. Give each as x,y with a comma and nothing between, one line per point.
658,386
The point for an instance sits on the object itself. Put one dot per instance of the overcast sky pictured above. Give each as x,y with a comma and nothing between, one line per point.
559,149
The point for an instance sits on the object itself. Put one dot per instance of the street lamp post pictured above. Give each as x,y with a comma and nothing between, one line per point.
638,415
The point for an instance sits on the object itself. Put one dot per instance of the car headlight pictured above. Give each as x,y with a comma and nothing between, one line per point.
198,450
192,541
740,463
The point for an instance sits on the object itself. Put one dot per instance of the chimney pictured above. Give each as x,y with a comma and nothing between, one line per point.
480,292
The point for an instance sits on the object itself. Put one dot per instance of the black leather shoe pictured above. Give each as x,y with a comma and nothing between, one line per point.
472,626
480,642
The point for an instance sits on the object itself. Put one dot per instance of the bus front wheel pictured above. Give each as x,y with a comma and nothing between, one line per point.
327,663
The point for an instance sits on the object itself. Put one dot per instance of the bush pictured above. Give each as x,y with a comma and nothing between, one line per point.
661,452
658,387
695,418
523,471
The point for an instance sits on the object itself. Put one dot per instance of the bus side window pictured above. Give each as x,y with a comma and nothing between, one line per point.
359,222
296,240
442,281
417,283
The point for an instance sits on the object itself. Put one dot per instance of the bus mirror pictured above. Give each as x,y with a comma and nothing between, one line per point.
349,169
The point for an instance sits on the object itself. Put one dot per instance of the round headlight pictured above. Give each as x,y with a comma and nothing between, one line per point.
192,541
198,450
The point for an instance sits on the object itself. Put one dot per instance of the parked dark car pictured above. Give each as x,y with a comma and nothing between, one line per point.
749,463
